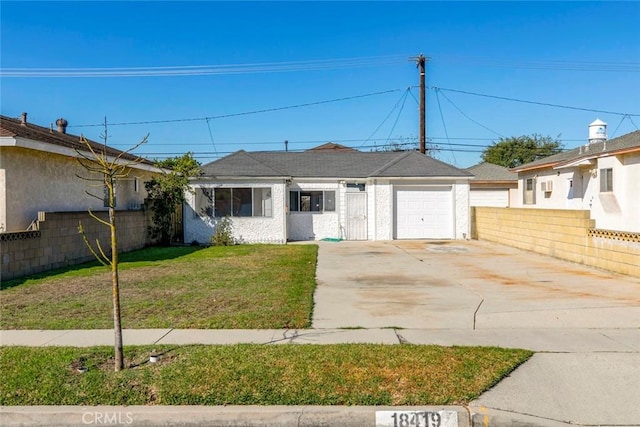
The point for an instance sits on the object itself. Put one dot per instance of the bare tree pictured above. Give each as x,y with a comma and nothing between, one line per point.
104,172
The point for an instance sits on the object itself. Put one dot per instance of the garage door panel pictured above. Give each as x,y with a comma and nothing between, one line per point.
494,197
424,213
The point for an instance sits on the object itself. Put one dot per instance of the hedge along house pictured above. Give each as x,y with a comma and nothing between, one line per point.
334,193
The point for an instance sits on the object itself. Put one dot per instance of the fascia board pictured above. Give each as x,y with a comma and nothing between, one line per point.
70,152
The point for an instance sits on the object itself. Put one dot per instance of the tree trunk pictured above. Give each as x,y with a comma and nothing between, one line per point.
117,326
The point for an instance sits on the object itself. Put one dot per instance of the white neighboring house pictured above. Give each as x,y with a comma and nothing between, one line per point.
494,186
602,176
329,193
39,171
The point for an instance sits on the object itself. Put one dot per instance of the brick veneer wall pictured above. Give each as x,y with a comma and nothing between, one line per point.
57,243
564,234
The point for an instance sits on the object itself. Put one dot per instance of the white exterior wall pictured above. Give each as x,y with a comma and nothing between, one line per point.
618,210
316,225
381,225
39,181
462,209
199,228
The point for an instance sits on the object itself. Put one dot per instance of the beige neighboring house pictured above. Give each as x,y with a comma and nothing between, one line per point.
494,186
601,176
38,172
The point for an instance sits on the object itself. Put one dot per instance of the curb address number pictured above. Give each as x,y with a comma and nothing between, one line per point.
416,419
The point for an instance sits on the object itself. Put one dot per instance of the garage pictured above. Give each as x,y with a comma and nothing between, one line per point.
495,197
424,212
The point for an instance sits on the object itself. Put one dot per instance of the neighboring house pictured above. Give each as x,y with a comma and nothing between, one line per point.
494,185
330,193
39,172
602,176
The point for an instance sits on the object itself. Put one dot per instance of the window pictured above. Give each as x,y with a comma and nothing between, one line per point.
204,202
312,201
136,184
237,202
606,180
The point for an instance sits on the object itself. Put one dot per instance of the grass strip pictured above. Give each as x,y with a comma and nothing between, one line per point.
233,287
250,374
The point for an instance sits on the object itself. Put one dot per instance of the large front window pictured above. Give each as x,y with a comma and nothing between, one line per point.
312,201
236,201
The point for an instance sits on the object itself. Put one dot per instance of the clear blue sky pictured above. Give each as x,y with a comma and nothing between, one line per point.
284,54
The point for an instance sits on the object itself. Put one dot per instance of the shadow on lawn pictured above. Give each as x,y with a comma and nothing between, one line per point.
148,254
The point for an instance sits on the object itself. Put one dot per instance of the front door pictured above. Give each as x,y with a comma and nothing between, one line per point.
356,216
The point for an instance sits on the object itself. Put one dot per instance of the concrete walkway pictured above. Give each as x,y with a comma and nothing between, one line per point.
584,325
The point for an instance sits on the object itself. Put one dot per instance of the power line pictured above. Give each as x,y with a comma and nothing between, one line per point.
465,115
196,70
385,119
444,126
535,102
266,110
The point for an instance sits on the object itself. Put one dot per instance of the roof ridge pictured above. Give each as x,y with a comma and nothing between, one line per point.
390,163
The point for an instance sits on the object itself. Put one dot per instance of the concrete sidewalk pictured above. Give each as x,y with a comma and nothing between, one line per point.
578,377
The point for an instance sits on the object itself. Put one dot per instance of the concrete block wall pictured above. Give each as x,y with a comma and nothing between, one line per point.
58,243
560,233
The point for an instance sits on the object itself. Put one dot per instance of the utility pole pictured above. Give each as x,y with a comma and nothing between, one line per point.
421,61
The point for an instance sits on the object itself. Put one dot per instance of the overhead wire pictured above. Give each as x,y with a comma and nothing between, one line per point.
444,126
404,100
465,115
384,121
211,136
245,113
535,102
195,70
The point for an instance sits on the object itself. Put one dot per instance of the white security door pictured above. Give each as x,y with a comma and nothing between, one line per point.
424,213
356,216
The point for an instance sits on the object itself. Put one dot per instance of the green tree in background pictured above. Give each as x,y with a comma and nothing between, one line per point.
165,193
516,151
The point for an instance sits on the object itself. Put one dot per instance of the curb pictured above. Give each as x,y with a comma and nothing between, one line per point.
225,416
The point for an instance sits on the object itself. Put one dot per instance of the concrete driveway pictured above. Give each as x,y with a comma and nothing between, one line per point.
465,285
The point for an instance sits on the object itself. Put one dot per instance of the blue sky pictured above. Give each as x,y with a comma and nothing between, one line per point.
285,54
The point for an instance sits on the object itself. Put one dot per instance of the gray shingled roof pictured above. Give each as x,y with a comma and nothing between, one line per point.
331,164
10,127
490,172
624,142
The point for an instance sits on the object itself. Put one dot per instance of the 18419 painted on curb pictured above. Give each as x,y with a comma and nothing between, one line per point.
416,419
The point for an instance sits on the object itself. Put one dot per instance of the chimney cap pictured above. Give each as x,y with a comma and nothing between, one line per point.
62,125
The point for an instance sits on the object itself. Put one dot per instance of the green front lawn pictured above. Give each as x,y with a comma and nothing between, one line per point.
234,287
246,374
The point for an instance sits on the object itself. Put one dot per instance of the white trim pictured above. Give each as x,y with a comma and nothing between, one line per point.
47,147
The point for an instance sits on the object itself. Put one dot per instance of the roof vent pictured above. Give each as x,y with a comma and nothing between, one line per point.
24,119
62,125
597,131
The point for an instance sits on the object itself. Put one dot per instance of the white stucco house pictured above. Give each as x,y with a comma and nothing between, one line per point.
602,176
275,197
39,172
494,186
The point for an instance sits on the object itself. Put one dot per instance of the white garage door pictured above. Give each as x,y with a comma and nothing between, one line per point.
424,212
498,198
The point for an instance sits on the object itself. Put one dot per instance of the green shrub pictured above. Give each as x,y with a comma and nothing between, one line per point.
224,233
